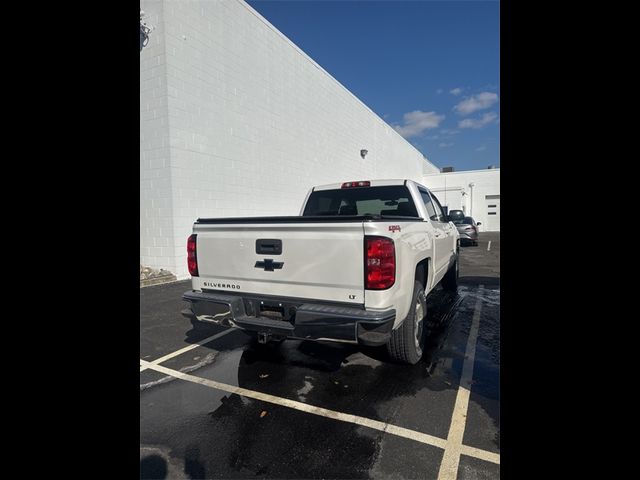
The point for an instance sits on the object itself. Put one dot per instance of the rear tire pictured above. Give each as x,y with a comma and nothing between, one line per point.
407,341
450,280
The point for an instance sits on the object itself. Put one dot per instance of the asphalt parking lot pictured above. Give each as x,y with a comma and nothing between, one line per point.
215,405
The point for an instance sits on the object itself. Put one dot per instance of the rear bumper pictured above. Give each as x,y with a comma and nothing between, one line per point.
299,320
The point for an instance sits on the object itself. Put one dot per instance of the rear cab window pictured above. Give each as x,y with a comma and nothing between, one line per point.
392,200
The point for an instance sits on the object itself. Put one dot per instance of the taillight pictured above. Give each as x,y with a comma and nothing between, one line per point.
380,263
192,255
365,183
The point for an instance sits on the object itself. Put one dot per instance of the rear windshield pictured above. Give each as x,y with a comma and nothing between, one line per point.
456,215
390,200
461,220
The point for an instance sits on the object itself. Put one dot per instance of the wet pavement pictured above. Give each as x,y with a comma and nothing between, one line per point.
193,430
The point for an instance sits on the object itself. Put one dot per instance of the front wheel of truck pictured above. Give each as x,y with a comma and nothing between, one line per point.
407,341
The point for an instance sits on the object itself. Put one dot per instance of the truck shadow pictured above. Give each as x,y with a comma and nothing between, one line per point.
335,375
153,467
329,356
441,306
337,358
475,281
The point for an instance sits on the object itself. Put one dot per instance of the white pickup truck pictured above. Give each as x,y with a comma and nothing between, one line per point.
355,266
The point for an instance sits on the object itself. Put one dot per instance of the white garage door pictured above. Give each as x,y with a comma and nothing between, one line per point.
493,213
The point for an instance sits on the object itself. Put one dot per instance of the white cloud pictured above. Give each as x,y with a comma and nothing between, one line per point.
449,132
455,91
483,121
476,102
417,122
445,145
439,91
481,148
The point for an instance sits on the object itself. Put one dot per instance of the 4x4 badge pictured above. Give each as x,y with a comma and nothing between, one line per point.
269,265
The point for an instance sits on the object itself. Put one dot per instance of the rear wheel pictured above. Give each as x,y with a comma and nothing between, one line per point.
450,280
407,341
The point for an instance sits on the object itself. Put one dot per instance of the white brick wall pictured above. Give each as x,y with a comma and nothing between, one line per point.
251,124
156,208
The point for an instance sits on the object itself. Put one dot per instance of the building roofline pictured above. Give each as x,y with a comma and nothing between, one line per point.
465,171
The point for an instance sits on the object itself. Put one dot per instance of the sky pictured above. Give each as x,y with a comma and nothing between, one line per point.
430,69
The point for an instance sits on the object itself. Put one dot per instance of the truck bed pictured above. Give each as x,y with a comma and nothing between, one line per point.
307,219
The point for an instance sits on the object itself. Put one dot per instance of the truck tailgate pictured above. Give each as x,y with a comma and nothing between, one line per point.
318,260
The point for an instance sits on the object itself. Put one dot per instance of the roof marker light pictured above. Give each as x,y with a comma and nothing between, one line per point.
361,183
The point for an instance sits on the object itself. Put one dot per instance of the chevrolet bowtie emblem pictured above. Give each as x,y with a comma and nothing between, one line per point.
269,265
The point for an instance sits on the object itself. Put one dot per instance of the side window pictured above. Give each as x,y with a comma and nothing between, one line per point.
439,213
428,205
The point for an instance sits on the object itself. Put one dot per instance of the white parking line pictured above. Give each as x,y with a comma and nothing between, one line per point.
489,246
454,447
303,407
186,349
480,454
323,412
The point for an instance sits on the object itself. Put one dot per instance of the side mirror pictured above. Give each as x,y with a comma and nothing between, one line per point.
479,223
